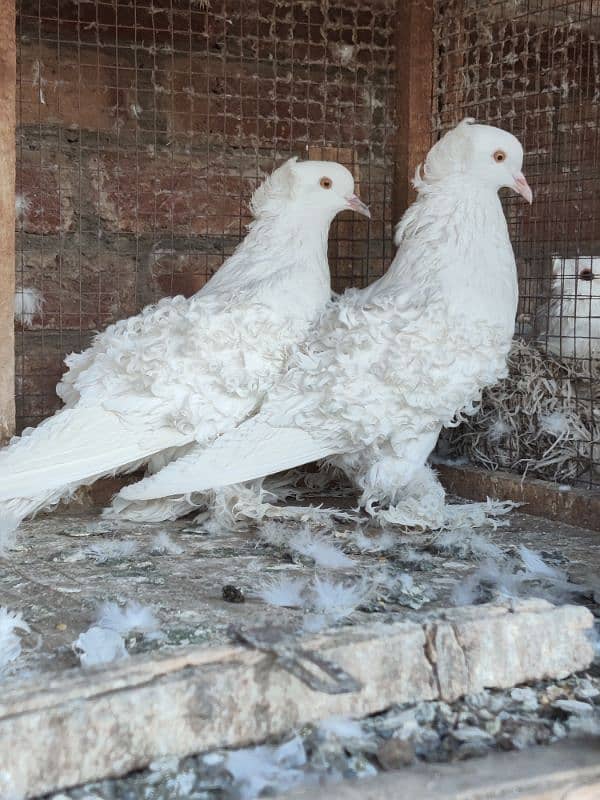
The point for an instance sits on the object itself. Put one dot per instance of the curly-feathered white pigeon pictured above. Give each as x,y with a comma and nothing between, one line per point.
185,370
393,363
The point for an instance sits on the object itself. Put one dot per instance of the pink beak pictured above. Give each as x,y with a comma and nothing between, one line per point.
522,187
356,204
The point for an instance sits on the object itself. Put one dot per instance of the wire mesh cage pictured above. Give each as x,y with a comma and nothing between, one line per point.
533,67
144,126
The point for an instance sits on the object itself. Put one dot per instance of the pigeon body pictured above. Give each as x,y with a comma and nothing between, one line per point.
572,327
393,363
185,370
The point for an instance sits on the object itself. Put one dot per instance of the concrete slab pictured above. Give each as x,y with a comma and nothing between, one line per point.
64,569
190,690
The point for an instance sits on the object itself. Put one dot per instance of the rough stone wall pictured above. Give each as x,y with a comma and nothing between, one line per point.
143,128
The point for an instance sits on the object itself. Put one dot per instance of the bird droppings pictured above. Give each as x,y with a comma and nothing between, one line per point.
233,594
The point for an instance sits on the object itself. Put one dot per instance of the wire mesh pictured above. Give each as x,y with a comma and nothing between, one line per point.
143,127
533,67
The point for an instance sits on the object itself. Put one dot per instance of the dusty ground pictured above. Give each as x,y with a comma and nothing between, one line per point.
68,564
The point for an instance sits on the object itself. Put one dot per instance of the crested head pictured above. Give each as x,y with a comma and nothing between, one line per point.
481,154
321,188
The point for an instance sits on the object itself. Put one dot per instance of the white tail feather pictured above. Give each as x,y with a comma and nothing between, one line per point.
251,451
70,449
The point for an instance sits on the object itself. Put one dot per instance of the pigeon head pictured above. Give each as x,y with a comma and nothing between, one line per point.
482,153
324,187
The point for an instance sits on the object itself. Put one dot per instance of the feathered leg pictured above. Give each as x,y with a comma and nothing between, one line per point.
400,488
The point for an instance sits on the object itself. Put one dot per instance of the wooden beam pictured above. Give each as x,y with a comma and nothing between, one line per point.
539,498
414,75
8,81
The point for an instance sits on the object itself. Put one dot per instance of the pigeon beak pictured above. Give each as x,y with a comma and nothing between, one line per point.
522,187
356,204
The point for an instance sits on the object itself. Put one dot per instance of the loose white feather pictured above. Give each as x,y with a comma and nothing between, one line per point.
98,646
323,552
10,641
163,545
284,592
132,617
112,549
28,303
536,566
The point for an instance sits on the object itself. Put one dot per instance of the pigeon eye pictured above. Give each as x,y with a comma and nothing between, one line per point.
499,156
326,183
586,275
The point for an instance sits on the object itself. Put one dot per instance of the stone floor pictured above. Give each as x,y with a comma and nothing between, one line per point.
198,581
67,564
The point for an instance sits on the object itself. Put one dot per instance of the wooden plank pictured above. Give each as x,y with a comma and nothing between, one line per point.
84,726
414,75
8,82
571,505
563,771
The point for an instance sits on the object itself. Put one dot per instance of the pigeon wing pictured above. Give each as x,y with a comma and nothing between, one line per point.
255,449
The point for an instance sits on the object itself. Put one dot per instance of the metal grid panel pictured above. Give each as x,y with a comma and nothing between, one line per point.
533,67
143,127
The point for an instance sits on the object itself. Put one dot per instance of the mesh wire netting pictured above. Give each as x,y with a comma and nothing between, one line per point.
143,127
533,67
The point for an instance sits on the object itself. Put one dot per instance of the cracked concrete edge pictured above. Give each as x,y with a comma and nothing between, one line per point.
564,771
107,722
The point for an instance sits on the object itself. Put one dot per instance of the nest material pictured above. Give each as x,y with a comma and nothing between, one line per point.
543,419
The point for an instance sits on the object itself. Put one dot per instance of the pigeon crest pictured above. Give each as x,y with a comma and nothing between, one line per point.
447,156
276,189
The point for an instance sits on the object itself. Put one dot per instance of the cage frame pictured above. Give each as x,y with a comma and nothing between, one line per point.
8,78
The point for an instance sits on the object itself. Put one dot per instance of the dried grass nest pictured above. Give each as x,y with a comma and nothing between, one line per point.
543,419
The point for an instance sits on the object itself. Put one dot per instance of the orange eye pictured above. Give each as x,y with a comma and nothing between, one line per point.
326,183
499,156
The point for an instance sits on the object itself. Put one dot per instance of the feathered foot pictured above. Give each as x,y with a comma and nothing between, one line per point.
423,506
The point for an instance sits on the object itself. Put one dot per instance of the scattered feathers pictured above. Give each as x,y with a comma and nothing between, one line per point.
104,642
124,620
256,769
338,599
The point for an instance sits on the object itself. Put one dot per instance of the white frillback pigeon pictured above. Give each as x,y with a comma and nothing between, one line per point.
185,370
393,363
572,326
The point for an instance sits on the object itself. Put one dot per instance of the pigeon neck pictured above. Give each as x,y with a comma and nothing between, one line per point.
456,231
